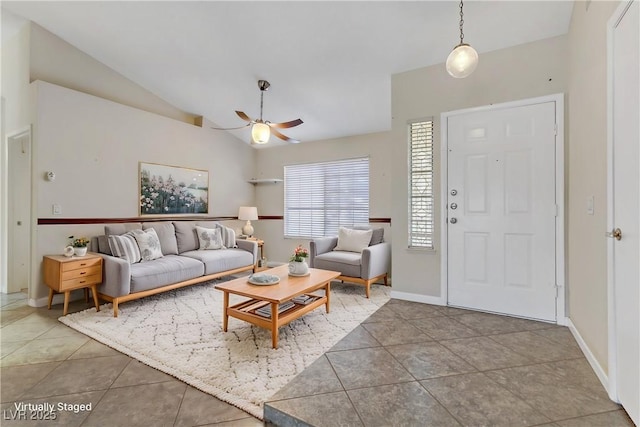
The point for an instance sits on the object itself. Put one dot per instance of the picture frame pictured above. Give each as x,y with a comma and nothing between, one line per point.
166,190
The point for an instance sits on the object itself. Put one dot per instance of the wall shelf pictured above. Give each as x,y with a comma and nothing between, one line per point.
265,181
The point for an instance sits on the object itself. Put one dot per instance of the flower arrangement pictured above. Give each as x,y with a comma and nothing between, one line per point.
80,242
300,254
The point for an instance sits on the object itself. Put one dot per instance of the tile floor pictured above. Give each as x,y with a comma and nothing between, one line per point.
407,365
413,364
46,361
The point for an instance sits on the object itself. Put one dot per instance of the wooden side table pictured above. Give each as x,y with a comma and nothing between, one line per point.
260,244
65,274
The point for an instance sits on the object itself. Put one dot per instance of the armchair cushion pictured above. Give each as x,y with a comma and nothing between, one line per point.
353,240
347,263
376,237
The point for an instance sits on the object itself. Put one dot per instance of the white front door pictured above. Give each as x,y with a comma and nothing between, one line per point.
624,214
502,210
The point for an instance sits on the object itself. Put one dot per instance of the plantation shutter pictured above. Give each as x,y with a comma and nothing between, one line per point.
421,213
320,197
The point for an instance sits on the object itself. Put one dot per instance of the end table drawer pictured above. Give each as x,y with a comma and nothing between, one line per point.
81,272
80,282
81,263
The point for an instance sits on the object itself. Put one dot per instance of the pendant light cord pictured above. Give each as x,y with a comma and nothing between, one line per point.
461,23
261,98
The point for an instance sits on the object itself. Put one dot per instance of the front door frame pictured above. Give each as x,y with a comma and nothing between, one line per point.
558,98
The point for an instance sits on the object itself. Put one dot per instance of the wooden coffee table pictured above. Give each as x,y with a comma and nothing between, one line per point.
288,288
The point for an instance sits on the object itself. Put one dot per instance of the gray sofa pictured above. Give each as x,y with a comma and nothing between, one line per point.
364,268
182,262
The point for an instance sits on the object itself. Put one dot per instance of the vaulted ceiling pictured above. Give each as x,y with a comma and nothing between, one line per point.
329,63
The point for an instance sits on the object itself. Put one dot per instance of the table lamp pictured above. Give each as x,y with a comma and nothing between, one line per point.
248,213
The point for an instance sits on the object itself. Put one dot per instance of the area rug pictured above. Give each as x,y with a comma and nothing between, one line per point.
180,333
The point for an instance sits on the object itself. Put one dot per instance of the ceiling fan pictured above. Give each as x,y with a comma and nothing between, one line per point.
261,129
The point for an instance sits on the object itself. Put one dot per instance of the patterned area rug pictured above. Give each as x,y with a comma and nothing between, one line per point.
180,333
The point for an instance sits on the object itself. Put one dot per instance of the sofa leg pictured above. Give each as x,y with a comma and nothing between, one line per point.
367,287
386,282
115,308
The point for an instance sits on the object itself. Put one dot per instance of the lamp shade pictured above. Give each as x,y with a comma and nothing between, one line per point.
462,61
248,213
260,133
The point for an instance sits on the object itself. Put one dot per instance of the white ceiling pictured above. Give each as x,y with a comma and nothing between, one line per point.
329,63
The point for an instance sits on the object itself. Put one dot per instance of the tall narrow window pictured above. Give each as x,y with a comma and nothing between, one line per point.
421,213
320,197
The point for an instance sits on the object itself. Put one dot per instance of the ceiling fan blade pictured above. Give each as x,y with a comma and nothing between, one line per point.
284,125
239,127
284,137
243,116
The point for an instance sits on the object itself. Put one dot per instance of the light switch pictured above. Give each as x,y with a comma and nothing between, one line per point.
590,205
56,209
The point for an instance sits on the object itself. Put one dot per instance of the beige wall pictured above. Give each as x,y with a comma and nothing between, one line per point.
520,72
587,124
270,163
55,61
94,146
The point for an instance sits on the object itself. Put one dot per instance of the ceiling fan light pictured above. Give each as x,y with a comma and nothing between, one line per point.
462,61
260,133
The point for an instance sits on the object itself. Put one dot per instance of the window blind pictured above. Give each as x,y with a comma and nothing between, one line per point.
421,210
320,197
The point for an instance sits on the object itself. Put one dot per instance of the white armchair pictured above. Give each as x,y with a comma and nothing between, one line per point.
365,268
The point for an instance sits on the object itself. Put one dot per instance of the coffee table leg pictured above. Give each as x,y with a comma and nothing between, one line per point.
274,324
225,315
327,291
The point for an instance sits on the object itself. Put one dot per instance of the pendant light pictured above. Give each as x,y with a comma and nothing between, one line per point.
463,60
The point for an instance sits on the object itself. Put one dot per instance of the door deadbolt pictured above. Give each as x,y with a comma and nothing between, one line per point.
453,220
615,234
454,192
453,206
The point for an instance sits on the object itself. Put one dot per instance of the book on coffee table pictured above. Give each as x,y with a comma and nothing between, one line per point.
266,310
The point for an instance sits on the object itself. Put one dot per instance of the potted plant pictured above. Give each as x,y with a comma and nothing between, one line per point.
79,245
298,262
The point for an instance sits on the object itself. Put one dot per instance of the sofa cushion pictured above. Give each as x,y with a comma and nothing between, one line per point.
353,240
376,237
118,229
164,271
103,245
347,263
209,238
166,234
125,247
221,260
148,243
186,236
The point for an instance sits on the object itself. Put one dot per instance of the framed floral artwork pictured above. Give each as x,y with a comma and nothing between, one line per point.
172,190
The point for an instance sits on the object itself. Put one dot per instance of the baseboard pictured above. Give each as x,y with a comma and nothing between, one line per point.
595,365
427,299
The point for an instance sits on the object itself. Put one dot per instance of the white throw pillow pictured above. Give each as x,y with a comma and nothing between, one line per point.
353,240
210,238
149,244
125,247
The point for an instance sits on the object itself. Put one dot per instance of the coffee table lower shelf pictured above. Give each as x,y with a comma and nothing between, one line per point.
246,311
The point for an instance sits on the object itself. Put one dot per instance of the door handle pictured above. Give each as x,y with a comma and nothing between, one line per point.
615,234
